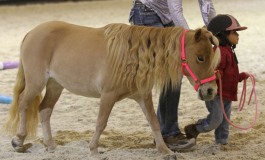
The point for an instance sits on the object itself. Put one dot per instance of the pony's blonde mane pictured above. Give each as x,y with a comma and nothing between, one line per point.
216,59
142,57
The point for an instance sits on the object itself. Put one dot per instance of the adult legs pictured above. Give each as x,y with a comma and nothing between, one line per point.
167,112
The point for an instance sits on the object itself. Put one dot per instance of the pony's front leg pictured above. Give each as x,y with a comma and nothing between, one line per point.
146,103
107,102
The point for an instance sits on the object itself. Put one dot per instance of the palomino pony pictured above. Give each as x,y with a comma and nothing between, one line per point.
111,63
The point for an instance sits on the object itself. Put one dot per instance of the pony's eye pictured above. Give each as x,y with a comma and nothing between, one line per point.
200,59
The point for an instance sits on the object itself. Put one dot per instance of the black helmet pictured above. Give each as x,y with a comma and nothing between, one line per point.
224,22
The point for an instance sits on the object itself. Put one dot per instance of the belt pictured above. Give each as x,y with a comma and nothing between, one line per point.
137,2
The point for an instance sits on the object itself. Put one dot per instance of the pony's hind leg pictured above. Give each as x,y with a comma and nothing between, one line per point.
147,107
107,102
27,107
53,92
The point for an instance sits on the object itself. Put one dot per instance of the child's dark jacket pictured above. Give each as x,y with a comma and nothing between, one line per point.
230,73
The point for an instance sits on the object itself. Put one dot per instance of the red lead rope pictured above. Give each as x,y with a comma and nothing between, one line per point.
242,102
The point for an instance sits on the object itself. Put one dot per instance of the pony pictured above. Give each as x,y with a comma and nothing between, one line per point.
112,62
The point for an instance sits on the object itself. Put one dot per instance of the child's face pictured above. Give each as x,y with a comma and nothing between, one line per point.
233,37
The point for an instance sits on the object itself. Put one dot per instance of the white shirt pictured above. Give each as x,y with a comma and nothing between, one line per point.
171,10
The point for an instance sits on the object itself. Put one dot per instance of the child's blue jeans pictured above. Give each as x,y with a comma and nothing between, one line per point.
216,120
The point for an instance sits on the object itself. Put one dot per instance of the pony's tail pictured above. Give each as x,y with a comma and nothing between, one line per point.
13,120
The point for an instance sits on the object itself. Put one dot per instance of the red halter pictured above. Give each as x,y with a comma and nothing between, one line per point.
185,65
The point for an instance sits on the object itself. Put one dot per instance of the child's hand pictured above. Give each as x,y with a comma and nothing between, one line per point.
245,75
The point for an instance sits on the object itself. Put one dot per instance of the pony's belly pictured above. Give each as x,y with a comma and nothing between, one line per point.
88,86
86,93
88,89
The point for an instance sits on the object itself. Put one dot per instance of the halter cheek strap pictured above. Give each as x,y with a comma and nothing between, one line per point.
185,65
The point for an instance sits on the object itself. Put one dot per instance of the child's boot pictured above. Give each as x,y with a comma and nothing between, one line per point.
191,131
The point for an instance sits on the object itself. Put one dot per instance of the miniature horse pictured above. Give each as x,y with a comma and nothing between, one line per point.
114,62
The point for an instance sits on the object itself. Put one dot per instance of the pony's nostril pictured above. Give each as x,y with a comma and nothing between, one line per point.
210,91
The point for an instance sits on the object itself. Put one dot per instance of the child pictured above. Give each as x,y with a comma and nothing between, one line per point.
225,28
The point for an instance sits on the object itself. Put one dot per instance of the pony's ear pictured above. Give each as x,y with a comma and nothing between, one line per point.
201,32
212,38
198,34
204,27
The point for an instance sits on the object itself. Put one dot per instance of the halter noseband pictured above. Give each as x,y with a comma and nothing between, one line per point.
185,65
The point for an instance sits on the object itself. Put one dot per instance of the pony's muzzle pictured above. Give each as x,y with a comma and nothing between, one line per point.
206,92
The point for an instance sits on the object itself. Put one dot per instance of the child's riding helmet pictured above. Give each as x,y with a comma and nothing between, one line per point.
224,22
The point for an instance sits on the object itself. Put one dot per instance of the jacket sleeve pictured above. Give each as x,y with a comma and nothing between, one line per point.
207,10
176,12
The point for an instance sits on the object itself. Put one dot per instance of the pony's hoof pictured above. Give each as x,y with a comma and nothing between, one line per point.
21,149
51,149
170,157
166,152
94,153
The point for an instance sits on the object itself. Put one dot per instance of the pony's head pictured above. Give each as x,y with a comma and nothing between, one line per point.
201,61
